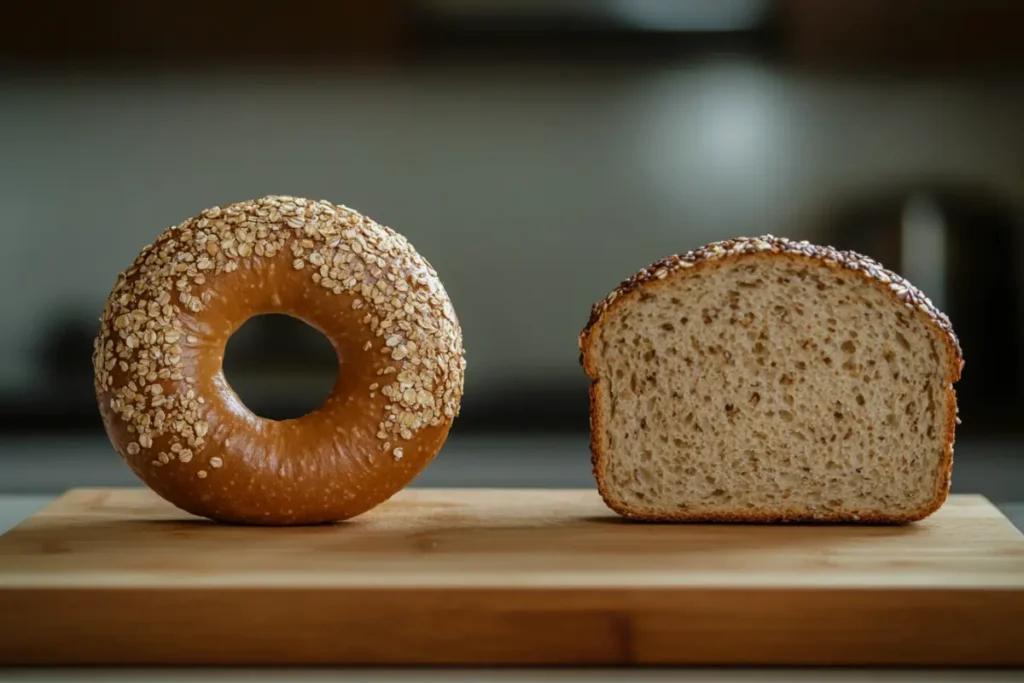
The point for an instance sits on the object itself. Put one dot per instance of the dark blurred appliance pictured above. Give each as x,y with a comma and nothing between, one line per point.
962,247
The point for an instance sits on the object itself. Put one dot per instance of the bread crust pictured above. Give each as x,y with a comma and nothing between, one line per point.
173,418
761,248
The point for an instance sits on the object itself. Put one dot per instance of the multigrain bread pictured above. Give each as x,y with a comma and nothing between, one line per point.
767,380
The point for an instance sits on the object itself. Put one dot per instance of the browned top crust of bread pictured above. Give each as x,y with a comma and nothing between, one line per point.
870,269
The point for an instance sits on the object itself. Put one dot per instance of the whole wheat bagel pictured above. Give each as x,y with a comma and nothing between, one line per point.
172,416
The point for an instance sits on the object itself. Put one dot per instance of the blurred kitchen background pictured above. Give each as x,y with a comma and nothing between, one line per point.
536,152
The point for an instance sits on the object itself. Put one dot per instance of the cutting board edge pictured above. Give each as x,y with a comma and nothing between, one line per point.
501,627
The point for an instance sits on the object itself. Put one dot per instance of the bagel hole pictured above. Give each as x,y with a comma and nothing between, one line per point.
280,367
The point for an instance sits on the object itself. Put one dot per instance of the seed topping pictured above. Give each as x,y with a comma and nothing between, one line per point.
151,318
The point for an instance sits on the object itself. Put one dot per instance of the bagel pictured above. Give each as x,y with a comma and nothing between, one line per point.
172,416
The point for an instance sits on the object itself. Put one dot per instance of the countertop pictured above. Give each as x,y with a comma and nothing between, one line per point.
508,676
35,465
34,472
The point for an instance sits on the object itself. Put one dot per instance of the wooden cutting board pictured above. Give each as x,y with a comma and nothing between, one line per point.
504,577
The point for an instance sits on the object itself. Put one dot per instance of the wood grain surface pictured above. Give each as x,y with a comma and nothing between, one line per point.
530,577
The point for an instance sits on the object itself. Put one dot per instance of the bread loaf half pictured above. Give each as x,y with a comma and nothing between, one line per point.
768,380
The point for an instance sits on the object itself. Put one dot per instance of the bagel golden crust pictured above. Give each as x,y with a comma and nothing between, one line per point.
172,416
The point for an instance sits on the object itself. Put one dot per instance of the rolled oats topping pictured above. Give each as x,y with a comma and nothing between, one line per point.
137,356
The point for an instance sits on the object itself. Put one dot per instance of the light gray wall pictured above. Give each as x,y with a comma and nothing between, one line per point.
532,192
